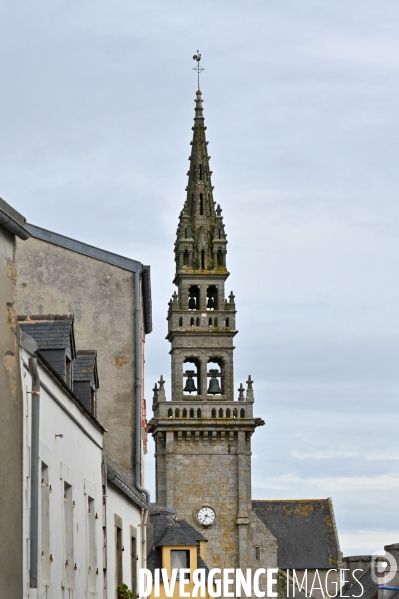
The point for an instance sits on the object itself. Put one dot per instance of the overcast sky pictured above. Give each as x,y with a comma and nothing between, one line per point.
301,100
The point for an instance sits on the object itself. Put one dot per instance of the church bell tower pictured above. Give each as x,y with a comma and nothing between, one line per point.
203,434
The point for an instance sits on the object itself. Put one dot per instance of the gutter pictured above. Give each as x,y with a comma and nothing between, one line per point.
114,478
34,475
13,226
138,387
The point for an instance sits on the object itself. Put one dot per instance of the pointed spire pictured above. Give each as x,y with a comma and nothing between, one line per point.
201,239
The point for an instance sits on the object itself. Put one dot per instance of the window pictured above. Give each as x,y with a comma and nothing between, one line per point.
91,525
180,558
197,322
45,527
118,551
201,204
180,321
134,557
257,554
68,536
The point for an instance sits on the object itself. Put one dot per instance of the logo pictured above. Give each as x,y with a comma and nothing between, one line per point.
383,567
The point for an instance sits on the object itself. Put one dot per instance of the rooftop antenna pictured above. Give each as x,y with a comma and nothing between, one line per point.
198,69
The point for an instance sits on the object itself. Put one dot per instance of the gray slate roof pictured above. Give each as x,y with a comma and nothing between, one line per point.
122,481
167,530
304,529
56,333
180,533
85,367
370,587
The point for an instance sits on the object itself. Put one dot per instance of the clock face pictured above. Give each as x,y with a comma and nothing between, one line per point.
206,516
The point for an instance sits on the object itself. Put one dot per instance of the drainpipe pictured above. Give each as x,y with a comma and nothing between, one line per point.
137,327
34,475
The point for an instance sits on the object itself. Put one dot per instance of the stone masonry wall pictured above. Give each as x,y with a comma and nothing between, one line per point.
54,280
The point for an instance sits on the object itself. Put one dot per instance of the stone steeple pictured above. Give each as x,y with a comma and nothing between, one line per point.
203,435
201,239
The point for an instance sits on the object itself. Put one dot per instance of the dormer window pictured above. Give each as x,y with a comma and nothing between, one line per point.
55,338
93,405
179,559
85,379
68,372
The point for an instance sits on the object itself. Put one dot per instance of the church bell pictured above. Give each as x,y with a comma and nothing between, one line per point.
214,387
191,303
211,303
190,385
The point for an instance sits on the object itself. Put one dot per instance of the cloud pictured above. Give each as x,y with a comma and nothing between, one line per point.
330,454
326,484
366,542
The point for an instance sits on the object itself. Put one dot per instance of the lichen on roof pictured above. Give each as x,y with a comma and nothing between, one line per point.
304,529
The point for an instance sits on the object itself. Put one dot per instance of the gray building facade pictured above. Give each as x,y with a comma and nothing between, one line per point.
12,226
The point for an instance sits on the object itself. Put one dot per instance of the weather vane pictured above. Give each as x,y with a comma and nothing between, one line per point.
198,69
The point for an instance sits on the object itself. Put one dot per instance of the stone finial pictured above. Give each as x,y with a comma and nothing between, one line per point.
232,298
161,390
175,297
218,210
155,396
241,396
250,392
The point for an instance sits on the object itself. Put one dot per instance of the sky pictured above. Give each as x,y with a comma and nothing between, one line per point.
301,106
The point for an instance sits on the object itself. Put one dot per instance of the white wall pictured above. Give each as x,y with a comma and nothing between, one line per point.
75,459
131,516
